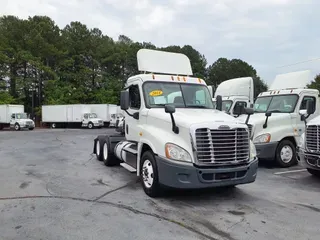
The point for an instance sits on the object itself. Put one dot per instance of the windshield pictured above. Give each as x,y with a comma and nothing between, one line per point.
181,95
21,116
278,104
93,115
226,105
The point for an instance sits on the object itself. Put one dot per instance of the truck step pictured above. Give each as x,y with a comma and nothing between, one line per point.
128,167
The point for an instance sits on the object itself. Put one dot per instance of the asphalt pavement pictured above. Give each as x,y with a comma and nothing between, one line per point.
52,187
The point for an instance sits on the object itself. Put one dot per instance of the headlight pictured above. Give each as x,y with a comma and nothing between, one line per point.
264,138
175,152
301,141
253,151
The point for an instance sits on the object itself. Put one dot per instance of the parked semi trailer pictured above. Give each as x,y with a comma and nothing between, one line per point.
277,124
13,116
76,115
182,141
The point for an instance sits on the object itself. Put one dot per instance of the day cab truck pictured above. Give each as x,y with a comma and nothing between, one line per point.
13,116
277,123
73,115
177,142
235,93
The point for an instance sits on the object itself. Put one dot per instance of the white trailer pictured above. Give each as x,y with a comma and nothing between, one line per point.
182,141
235,93
76,115
13,116
277,123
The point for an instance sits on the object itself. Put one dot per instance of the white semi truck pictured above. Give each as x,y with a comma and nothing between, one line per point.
235,93
74,115
13,116
277,124
308,149
180,142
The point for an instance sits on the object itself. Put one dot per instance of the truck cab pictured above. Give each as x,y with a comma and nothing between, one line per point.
236,93
277,126
21,120
91,120
172,135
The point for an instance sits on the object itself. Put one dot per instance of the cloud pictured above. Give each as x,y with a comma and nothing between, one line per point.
265,33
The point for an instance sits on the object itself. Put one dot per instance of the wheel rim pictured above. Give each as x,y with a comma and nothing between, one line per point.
286,154
98,148
147,174
53,125
105,151
90,125
16,127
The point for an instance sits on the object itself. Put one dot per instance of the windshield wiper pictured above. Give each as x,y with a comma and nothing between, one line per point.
197,106
275,111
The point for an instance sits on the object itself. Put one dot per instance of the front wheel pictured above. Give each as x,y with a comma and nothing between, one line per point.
149,175
286,154
17,127
314,172
90,125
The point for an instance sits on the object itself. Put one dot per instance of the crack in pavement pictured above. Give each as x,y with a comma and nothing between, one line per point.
121,206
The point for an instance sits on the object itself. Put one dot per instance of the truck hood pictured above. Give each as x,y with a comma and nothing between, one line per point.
186,117
95,119
314,121
24,120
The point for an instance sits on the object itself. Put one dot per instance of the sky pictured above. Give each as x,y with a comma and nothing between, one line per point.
271,35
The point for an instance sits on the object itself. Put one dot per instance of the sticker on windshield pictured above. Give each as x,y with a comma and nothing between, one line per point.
156,93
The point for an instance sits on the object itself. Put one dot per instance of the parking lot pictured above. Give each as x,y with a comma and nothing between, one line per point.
52,187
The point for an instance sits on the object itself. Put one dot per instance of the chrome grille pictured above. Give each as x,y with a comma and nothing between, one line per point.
312,138
221,146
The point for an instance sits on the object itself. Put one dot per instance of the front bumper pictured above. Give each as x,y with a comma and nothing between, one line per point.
98,124
308,160
187,176
266,151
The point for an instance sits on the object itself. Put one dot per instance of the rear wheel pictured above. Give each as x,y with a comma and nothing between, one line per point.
108,156
149,175
98,150
53,125
314,172
286,154
31,129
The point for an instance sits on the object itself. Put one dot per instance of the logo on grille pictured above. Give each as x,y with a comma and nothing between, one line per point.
224,127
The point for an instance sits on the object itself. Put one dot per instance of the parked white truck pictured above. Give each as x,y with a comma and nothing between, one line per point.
74,115
276,124
13,116
103,111
180,142
308,149
235,93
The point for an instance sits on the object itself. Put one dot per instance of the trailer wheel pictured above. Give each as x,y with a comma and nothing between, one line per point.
149,175
286,154
31,129
90,125
53,125
108,156
314,172
17,127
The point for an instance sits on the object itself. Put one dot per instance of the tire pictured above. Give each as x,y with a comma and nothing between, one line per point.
31,129
108,157
98,149
53,125
90,125
286,154
149,175
17,127
314,172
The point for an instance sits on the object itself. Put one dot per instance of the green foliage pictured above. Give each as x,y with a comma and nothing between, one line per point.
43,64
224,69
315,84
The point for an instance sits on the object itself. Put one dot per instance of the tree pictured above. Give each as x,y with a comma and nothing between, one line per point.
224,69
315,84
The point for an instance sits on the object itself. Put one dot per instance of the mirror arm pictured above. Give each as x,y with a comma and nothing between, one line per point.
247,120
265,125
175,128
131,115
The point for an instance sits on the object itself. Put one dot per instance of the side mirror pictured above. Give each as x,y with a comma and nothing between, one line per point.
249,111
219,103
124,100
310,107
303,112
169,108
